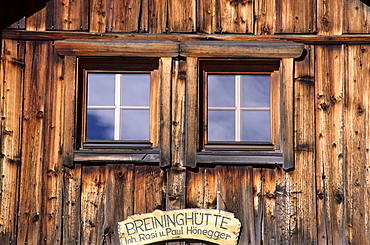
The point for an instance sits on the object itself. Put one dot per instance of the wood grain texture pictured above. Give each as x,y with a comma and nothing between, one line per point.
165,65
158,18
98,14
93,202
302,192
329,144
356,118
359,9
30,213
264,17
329,17
235,16
124,16
182,16
206,16
70,15
38,21
293,17
72,181
12,64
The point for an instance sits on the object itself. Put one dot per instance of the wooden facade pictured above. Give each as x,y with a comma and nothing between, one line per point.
49,196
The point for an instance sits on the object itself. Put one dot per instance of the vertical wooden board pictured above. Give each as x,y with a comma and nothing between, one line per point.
32,161
93,201
303,190
120,199
360,23
264,17
182,15
68,96
124,16
355,137
72,205
295,16
11,74
329,144
206,16
195,185
98,12
236,16
157,16
329,17
165,124
268,219
175,198
38,21
149,189
257,203
53,166
191,119
70,15
236,196
178,113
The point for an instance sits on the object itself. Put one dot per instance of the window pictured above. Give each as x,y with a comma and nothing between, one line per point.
240,105
118,103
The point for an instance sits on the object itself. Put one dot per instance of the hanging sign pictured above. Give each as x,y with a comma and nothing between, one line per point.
210,225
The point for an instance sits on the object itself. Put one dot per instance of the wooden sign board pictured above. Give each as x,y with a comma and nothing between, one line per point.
210,225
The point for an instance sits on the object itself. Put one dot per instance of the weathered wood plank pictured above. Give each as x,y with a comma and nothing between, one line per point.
287,94
38,21
176,179
329,17
191,110
165,65
295,16
302,191
195,185
356,16
52,178
257,182
30,211
235,16
356,135
329,144
97,18
307,39
119,199
182,15
235,49
178,112
11,74
269,232
93,201
69,109
264,17
206,16
70,15
116,48
72,181
158,16
232,179
124,16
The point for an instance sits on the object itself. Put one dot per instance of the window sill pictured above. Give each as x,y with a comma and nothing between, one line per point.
242,158
112,155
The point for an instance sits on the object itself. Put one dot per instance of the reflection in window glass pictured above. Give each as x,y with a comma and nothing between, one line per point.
221,125
239,108
118,106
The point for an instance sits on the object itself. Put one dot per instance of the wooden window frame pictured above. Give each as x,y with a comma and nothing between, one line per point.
285,51
122,66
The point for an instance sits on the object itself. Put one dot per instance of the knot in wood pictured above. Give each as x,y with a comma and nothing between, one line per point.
360,109
40,114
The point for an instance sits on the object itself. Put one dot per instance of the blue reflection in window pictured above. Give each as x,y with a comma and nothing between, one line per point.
221,125
100,124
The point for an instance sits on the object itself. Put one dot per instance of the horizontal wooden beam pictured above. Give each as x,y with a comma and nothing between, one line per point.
135,48
117,156
307,39
214,49
233,49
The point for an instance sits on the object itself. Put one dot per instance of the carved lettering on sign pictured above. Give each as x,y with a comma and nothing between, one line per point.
210,225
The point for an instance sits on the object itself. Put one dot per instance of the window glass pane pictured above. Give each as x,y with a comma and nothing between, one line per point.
256,90
100,89
221,90
135,89
221,125
135,124
100,124
256,126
